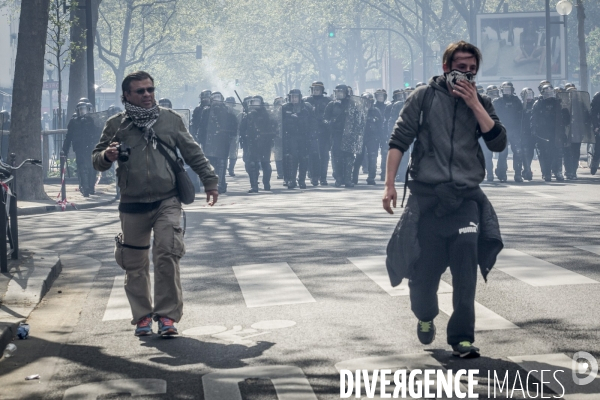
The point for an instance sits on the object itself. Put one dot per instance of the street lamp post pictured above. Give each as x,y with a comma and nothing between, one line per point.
563,8
49,71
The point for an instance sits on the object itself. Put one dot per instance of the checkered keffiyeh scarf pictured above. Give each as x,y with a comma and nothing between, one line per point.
143,118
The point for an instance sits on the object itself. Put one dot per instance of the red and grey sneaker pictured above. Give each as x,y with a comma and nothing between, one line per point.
144,326
166,327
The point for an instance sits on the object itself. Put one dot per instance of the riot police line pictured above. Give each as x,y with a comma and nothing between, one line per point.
303,134
552,126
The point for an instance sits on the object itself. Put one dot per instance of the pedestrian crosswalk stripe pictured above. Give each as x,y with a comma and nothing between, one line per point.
591,249
117,307
536,272
271,285
485,319
553,363
374,268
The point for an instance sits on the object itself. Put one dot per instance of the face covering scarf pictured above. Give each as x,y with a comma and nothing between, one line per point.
454,76
143,118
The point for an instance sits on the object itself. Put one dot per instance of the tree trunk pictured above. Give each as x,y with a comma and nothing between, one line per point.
27,97
78,67
583,67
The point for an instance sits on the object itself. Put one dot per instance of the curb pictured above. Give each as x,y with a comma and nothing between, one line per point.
23,295
54,208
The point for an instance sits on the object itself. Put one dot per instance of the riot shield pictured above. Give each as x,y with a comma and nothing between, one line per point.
220,129
581,121
237,110
354,126
99,119
278,145
185,115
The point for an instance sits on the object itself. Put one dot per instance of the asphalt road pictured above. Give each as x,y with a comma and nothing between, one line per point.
314,300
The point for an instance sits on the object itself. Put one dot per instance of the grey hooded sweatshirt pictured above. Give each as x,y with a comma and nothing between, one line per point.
454,154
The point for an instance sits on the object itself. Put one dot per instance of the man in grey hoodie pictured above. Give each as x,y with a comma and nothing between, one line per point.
447,166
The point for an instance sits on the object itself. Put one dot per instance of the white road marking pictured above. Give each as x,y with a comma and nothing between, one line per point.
271,285
117,307
290,382
374,268
536,272
273,324
591,249
553,363
485,319
135,387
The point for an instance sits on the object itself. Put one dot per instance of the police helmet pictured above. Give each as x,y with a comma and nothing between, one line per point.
81,109
4,116
369,98
278,102
217,96
380,95
294,96
230,100
480,89
84,100
420,84
341,92
397,95
547,91
527,94
408,91
112,110
164,102
492,91
350,91
317,88
256,101
507,88
541,85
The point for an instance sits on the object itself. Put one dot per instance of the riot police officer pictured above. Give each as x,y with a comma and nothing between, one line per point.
197,115
319,101
257,134
380,103
548,122
221,127
278,102
492,92
297,130
166,103
371,142
344,134
235,141
81,133
580,128
509,109
527,138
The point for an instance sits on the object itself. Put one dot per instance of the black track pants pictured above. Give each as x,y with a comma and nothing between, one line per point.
448,241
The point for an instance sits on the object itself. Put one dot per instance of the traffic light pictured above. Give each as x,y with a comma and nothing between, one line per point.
237,82
331,31
407,78
198,52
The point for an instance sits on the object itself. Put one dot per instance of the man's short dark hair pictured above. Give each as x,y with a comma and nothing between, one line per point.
464,47
134,76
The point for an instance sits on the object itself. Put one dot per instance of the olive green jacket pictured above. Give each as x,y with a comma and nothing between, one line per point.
147,176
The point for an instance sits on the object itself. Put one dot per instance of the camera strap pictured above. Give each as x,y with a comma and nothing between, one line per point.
175,164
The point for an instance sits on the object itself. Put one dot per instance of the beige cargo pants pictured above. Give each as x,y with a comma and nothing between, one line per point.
167,250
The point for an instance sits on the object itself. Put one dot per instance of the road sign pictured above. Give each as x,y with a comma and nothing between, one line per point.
50,85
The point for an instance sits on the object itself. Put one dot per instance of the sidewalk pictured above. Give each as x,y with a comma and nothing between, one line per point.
105,194
21,289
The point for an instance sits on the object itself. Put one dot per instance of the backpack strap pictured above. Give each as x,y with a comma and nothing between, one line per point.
426,104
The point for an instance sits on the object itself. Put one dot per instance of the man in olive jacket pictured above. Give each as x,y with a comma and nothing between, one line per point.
149,200
448,212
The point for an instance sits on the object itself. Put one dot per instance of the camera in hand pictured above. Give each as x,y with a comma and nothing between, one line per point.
124,152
